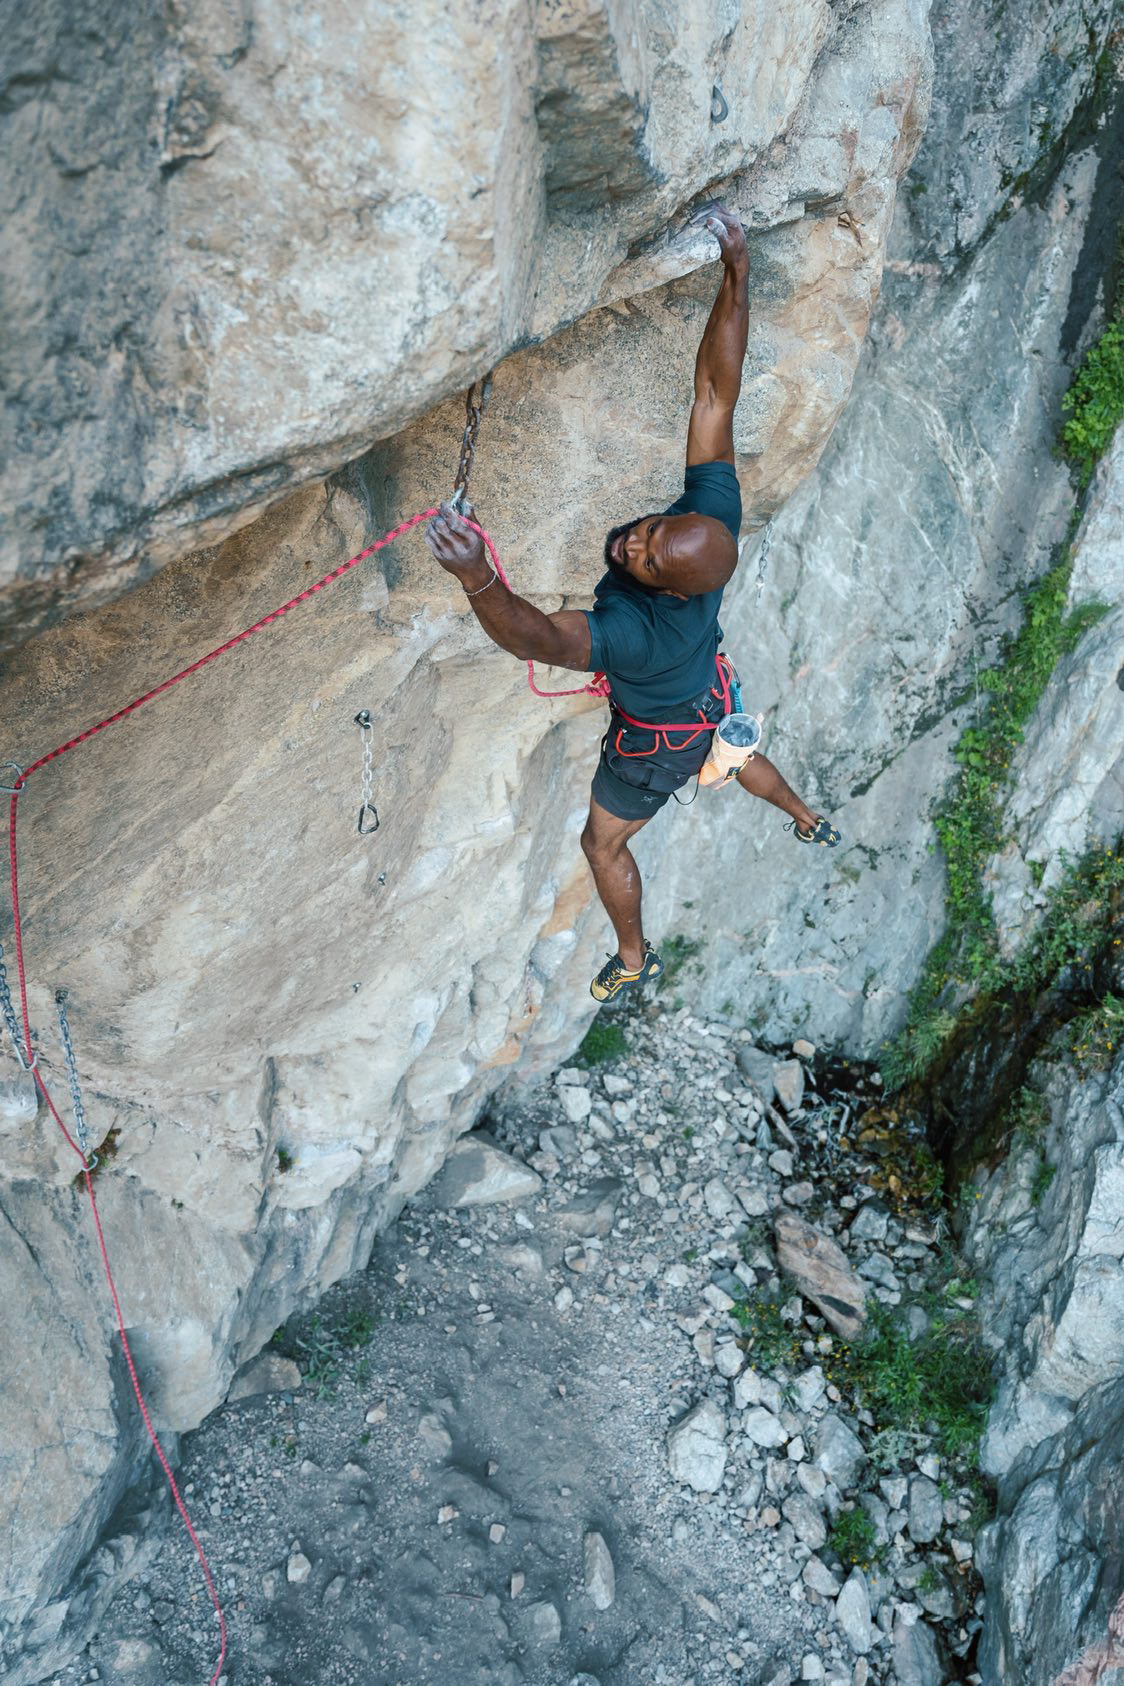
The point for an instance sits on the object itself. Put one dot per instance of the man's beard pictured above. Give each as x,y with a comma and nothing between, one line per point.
613,535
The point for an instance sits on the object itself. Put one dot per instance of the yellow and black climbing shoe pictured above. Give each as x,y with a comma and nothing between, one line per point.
823,832
612,981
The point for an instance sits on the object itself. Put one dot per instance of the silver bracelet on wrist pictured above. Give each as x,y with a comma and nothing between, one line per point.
484,587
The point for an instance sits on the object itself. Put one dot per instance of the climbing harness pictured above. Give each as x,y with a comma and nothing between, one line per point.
727,692
81,1126
368,813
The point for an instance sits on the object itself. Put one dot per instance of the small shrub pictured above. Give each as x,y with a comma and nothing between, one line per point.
676,954
321,1347
769,1340
940,1383
284,1160
1095,402
1027,1116
603,1041
1095,1035
853,1538
1043,1177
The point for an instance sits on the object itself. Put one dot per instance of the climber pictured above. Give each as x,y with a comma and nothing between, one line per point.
653,630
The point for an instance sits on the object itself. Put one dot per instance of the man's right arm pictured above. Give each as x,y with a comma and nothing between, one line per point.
718,366
560,640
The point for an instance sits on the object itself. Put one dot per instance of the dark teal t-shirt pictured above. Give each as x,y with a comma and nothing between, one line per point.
659,651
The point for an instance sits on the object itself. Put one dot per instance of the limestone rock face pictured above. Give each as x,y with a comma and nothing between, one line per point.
1068,773
260,244
1055,1437
942,478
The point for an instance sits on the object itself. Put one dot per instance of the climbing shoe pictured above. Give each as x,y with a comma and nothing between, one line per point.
823,832
612,981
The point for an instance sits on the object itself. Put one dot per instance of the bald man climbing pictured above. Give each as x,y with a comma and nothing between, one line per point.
653,630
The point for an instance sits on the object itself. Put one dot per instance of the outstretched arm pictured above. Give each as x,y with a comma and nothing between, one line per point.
718,366
562,640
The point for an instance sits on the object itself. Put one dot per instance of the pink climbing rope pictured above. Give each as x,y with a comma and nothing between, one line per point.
598,688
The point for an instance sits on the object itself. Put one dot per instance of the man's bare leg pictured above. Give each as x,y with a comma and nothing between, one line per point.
761,778
617,877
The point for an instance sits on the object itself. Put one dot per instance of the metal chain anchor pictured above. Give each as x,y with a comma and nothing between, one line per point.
474,409
26,1056
81,1125
763,557
368,814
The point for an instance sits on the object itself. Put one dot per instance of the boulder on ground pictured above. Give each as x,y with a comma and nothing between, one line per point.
478,1174
696,1451
821,1272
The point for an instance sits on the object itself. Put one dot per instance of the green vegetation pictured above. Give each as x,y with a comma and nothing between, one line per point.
854,1538
769,1339
939,1384
676,953
284,1159
1095,401
965,963
322,1347
603,1041
1043,1177
1027,1116
1095,1034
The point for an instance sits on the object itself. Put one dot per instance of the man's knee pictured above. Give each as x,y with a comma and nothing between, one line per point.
596,847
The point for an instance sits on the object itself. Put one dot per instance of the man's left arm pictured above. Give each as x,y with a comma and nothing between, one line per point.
718,365
560,640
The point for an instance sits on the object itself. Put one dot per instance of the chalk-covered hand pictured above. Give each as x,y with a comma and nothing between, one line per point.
728,231
453,542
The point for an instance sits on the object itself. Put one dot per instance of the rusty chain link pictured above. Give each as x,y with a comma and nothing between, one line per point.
474,408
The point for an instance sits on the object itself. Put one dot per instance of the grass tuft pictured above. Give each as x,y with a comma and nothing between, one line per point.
939,1384
603,1041
854,1538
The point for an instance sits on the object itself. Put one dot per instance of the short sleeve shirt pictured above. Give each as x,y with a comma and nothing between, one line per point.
658,650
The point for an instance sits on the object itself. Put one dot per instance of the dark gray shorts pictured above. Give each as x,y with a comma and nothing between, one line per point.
637,789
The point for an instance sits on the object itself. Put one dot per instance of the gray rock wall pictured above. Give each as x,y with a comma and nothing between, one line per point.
262,239
281,1026
1055,1442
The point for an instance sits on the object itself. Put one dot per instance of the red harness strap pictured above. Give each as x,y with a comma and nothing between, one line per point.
662,728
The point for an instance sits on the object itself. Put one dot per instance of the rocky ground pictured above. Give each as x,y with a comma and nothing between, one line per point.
594,1413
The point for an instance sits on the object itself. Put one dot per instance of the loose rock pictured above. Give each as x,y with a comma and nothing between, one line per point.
600,1576
820,1270
696,1448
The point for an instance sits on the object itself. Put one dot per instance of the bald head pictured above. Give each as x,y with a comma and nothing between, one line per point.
686,555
